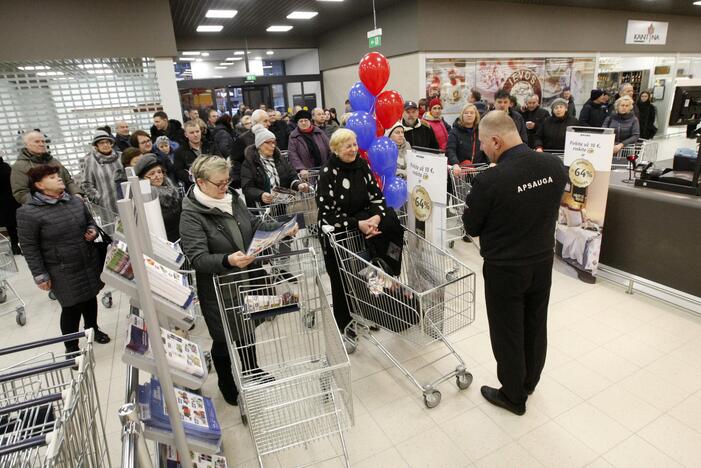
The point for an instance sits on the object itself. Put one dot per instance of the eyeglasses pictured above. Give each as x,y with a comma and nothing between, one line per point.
220,184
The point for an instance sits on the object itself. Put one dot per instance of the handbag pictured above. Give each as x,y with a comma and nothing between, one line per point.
101,244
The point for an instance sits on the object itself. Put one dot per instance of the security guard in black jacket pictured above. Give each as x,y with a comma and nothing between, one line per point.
513,208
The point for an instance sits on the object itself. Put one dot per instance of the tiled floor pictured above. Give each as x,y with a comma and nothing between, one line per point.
621,387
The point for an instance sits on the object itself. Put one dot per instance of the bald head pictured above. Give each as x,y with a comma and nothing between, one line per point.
260,116
498,133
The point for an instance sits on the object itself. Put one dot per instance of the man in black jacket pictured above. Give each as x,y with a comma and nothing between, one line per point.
164,127
595,110
245,140
417,132
502,102
187,153
534,115
567,96
513,208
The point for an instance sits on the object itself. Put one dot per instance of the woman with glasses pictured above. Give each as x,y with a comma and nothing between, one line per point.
264,169
153,170
217,229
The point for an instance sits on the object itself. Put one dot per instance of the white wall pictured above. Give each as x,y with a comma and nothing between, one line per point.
170,97
204,70
404,77
306,63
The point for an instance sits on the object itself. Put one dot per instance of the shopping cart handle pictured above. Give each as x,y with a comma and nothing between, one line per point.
37,370
41,343
31,403
31,442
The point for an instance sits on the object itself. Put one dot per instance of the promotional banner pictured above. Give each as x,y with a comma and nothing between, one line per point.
428,194
580,224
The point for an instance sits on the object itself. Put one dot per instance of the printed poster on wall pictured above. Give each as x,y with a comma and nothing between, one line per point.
580,224
428,194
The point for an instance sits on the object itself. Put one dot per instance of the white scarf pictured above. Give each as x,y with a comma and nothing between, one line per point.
224,204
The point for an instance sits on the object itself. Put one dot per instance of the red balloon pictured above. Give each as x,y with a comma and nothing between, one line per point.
373,71
389,107
380,129
364,155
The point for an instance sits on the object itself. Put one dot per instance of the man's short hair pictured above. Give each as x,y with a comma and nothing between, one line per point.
531,96
28,135
191,123
160,114
502,94
497,123
476,95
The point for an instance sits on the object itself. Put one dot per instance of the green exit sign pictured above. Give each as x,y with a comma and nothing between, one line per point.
375,41
250,77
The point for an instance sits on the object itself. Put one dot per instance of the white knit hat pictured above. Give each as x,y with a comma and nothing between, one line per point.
262,134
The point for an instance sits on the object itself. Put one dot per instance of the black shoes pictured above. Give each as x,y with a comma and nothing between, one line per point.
495,397
16,250
466,239
101,337
230,393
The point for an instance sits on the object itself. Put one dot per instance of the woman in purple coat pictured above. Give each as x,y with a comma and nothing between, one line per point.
308,146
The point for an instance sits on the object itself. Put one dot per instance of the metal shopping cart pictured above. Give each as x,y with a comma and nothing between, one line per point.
433,297
49,408
630,156
461,184
107,220
294,380
9,299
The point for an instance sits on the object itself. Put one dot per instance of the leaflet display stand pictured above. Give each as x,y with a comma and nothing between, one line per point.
137,234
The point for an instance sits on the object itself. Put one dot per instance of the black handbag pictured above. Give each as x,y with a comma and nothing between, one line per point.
101,244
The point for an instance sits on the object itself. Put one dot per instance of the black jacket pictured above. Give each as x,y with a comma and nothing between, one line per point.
537,116
254,180
593,115
244,140
463,145
551,133
421,134
222,140
183,159
174,132
282,133
646,117
121,142
513,207
520,124
8,204
571,109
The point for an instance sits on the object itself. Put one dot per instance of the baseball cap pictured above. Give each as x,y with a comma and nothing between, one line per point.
410,105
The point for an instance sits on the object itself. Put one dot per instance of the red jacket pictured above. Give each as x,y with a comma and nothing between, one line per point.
440,129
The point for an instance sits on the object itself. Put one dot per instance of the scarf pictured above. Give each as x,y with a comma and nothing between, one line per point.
270,170
43,158
104,158
51,200
355,173
168,196
223,204
312,146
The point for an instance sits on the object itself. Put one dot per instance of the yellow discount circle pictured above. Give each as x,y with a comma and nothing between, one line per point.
421,201
581,173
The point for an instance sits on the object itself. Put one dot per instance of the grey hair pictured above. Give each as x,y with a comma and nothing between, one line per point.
207,165
27,135
622,99
258,115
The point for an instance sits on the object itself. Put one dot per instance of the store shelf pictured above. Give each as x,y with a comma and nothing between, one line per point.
184,318
166,437
181,378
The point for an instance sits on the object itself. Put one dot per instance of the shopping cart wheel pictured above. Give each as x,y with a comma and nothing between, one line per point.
463,380
349,345
21,317
431,400
52,296
107,300
244,417
451,244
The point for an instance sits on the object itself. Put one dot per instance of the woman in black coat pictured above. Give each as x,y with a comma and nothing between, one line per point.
551,134
647,113
463,140
8,206
56,232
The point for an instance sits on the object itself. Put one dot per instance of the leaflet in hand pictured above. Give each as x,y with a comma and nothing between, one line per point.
197,412
263,240
199,460
168,283
283,195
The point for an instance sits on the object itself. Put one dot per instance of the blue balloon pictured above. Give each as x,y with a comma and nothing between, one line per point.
364,127
360,98
396,192
383,154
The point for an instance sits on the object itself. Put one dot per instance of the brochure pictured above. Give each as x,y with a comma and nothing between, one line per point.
263,240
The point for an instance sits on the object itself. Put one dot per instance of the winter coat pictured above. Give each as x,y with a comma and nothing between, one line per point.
121,142
244,140
254,179
420,135
463,145
551,133
51,234
592,114
174,132
298,152
167,161
646,118
8,204
626,127
282,134
99,171
208,236
571,109
330,127
440,129
536,116
183,159
26,161
169,199
222,140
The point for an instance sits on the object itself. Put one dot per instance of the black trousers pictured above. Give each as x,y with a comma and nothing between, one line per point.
222,363
70,319
517,307
340,305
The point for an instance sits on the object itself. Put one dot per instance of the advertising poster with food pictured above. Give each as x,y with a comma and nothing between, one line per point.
451,81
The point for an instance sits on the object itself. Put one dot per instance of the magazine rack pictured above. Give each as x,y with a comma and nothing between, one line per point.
136,234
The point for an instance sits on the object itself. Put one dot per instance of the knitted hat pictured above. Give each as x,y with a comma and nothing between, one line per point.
596,94
303,114
435,102
558,102
162,139
145,164
101,135
262,134
391,129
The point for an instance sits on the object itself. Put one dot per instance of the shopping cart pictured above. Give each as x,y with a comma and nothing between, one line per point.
294,380
49,408
432,298
107,220
9,299
644,151
461,184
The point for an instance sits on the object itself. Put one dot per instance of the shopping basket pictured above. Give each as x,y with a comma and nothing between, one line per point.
9,299
50,412
294,379
432,298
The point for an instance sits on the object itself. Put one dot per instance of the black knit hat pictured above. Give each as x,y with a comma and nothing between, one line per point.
596,94
303,114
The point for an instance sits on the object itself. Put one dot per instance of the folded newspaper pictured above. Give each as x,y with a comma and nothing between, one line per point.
263,240
283,195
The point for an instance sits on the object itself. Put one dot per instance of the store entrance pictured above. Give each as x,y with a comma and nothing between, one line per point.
254,96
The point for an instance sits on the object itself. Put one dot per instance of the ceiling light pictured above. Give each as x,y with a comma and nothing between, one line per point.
225,64
205,54
220,68
198,60
90,66
302,15
697,3
191,52
209,28
232,59
257,58
37,67
220,13
239,52
267,66
50,73
186,59
270,52
281,28
329,0
217,76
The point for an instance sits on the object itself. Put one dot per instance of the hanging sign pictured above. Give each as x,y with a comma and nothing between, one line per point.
375,38
646,32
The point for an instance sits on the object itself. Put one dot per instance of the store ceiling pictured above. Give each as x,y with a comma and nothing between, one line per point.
671,7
